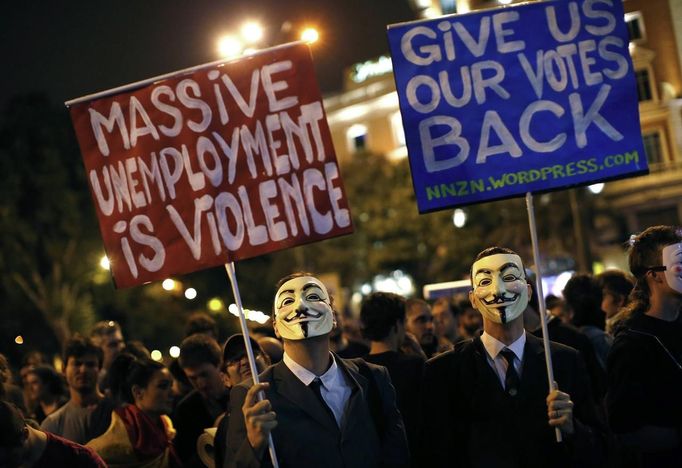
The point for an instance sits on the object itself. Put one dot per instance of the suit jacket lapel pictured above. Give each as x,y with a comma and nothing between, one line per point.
484,367
356,401
290,387
534,375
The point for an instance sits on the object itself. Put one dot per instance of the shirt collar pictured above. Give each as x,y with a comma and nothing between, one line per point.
493,346
305,376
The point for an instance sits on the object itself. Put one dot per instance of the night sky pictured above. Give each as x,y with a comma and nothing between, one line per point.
71,48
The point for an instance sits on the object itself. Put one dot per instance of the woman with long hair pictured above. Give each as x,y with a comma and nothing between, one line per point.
645,363
141,433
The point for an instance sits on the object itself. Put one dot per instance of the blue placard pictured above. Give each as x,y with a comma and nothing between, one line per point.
527,98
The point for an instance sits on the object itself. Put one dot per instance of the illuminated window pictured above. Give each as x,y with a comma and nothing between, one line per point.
653,148
357,138
635,24
643,85
397,128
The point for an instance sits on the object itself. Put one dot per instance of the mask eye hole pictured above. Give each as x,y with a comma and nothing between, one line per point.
510,278
286,301
485,282
313,297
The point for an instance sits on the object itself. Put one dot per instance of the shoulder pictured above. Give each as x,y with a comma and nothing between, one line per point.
62,450
462,350
52,421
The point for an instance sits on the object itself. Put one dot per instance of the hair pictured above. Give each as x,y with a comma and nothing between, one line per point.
5,371
12,424
79,346
645,252
178,374
201,322
449,306
52,379
118,373
489,252
583,295
379,313
616,282
104,328
140,373
137,349
199,349
415,302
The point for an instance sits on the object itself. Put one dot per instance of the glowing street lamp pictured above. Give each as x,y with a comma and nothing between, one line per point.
168,284
252,32
229,46
310,35
190,293
174,352
104,262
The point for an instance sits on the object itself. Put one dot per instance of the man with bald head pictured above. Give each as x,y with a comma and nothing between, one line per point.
320,409
488,401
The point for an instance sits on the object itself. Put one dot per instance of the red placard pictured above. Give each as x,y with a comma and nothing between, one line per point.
220,163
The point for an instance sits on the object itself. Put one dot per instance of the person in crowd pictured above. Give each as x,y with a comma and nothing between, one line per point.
383,323
343,345
22,445
272,347
470,321
13,393
181,384
567,334
47,388
321,410
236,369
141,433
87,414
583,297
200,361
445,323
486,403
419,322
201,322
645,363
108,336
616,288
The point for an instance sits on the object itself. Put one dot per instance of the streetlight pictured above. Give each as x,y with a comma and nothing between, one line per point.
229,46
252,32
168,284
190,293
459,218
174,352
310,35
596,188
104,262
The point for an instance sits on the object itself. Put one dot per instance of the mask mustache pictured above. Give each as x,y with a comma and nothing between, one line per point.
302,313
500,299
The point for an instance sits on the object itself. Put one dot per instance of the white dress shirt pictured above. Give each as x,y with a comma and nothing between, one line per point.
493,346
335,389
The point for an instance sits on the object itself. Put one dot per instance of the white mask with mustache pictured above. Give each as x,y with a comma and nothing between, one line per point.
500,290
303,309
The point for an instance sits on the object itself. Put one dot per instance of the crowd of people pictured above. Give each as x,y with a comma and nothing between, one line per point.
461,381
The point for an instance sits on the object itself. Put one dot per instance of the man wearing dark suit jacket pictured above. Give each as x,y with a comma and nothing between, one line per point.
321,410
486,403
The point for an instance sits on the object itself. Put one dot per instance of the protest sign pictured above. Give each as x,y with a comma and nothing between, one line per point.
529,98
211,165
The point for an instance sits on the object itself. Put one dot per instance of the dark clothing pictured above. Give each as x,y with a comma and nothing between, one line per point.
63,452
644,382
190,418
470,421
406,373
354,349
568,335
220,441
307,437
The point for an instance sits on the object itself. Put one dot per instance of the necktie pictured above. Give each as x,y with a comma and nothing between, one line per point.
511,378
316,386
